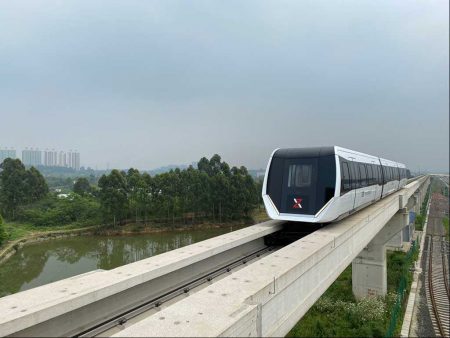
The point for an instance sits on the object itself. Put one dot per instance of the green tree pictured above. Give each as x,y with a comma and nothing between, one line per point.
135,188
113,196
35,185
3,234
12,186
82,186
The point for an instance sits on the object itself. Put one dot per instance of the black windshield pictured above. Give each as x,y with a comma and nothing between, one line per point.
301,185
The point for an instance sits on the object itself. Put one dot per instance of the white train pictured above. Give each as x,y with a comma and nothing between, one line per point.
325,184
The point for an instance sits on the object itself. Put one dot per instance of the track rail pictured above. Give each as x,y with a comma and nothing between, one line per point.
438,288
122,318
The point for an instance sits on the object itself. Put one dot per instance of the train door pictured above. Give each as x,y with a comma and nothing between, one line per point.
299,186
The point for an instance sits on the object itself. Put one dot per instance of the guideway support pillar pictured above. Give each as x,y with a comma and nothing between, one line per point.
369,273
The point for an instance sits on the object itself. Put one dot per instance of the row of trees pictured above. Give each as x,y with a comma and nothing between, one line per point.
213,190
19,186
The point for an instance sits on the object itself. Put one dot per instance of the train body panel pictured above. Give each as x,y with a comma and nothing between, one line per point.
325,184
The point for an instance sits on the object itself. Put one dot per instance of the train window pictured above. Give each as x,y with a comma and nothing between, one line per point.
380,176
345,178
299,175
371,174
354,175
376,178
362,174
386,174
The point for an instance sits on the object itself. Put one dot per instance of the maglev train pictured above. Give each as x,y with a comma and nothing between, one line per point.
325,184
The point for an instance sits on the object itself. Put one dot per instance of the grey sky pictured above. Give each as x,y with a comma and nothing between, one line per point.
148,83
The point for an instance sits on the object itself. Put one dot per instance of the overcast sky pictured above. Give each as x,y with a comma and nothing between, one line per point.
151,83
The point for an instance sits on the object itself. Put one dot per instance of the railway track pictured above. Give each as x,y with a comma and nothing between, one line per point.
118,322
437,285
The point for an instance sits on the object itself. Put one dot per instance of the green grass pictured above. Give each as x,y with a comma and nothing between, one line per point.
338,314
446,227
16,230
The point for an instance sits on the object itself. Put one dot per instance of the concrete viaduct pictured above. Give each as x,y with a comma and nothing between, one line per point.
230,285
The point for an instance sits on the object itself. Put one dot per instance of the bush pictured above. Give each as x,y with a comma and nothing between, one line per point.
53,211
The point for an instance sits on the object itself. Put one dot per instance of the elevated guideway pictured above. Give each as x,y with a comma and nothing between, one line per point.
265,297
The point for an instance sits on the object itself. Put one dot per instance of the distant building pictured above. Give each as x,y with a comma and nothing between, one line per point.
32,157
50,158
62,159
7,153
73,160
76,161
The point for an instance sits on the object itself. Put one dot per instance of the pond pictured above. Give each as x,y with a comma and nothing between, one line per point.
47,261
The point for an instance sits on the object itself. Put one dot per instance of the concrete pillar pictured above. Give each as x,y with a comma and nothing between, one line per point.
406,234
369,276
396,241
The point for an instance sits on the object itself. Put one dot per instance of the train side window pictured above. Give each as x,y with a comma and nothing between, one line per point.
354,175
345,178
367,174
299,175
362,174
376,173
371,174
380,176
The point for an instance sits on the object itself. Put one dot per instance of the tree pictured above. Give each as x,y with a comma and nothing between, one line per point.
12,186
135,188
82,186
36,186
3,234
113,196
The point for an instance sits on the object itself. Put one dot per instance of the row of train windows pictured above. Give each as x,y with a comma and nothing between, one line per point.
356,175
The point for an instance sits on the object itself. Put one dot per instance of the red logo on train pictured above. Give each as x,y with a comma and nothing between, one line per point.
297,203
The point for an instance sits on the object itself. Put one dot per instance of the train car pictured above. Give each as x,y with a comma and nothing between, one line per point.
326,184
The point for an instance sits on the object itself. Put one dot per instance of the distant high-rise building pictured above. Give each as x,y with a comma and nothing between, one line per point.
7,153
62,162
50,158
74,160
32,157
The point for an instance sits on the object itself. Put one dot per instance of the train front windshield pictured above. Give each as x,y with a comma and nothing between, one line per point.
301,184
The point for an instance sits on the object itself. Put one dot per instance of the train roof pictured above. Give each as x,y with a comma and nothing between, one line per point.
332,150
303,152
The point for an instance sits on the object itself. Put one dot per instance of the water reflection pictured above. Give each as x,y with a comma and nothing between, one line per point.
45,262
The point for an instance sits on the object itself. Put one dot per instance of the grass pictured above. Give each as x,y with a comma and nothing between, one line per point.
16,230
338,314
446,227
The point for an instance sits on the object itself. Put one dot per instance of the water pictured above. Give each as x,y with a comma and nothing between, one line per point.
44,262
